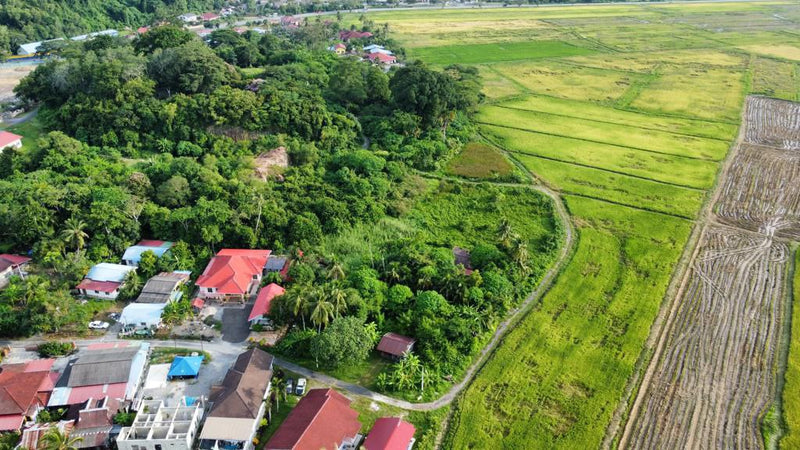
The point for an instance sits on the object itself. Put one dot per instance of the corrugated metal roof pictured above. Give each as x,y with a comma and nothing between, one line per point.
109,272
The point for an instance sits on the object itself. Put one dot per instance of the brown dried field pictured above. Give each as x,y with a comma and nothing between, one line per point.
713,375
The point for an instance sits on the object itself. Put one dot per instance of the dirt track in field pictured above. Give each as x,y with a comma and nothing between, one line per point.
713,374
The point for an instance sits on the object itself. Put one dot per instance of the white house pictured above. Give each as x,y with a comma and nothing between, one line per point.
142,315
158,426
104,281
189,17
9,140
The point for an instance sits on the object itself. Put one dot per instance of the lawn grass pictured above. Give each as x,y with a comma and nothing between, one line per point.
557,377
605,132
480,161
681,171
496,52
362,373
615,187
278,416
30,131
791,390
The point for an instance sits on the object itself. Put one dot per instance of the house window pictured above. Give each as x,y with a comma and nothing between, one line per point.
96,292
255,277
158,446
210,289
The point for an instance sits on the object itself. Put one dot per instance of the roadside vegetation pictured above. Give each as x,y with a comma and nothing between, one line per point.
791,390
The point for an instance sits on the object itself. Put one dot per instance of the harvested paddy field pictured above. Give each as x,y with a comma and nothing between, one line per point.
714,373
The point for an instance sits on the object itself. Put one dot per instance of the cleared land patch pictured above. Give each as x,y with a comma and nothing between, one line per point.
713,373
478,160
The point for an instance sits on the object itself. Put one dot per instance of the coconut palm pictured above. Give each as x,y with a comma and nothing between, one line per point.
505,233
56,439
298,299
322,313
73,233
520,255
336,272
338,298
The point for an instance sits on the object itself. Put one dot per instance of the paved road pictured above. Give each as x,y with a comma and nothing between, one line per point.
235,327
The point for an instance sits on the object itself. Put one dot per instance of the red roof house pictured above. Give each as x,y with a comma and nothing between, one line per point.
381,58
264,302
142,30
393,345
9,140
207,17
346,35
22,395
232,274
11,265
321,419
390,433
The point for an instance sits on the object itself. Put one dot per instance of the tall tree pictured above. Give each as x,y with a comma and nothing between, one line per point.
73,233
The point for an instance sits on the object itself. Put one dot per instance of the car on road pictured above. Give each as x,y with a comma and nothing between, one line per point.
289,386
98,325
113,316
301,386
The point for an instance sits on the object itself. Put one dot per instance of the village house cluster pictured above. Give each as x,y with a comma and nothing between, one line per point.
102,380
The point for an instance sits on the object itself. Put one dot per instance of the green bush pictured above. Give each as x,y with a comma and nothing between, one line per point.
55,348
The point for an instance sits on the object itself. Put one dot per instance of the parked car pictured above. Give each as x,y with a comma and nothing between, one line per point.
98,325
301,386
113,316
289,386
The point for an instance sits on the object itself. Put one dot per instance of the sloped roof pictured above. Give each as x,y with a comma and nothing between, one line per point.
100,367
109,272
382,57
102,286
7,260
321,419
390,433
7,138
232,270
147,313
264,300
185,366
18,391
395,344
276,263
159,289
241,392
134,252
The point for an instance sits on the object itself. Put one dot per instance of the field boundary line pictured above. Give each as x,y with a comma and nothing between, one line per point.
662,326
616,172
694,158
626,205
608,122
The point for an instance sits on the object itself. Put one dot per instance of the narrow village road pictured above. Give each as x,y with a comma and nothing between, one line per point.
221,346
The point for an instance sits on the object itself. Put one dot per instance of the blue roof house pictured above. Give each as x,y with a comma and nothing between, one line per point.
133,254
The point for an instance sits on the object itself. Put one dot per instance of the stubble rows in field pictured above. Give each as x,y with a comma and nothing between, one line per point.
714,373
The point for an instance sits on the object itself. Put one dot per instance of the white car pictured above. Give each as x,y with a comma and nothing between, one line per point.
98,325
301,386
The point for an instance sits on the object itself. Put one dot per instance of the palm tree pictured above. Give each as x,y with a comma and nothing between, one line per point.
322,313
520,255
298,298
505,233
56,439
336,272
338,298
73,233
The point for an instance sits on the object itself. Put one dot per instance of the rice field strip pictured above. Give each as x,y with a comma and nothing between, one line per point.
626,205
715,368
609,122
593,141
587,166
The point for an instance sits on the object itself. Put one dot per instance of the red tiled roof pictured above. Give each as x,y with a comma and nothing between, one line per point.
142,30
395,344
264,300
382,57
151,243
198,303
83,393
232,270
351,34
18,391
390,433
7,138
209,16
322,419
102,286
